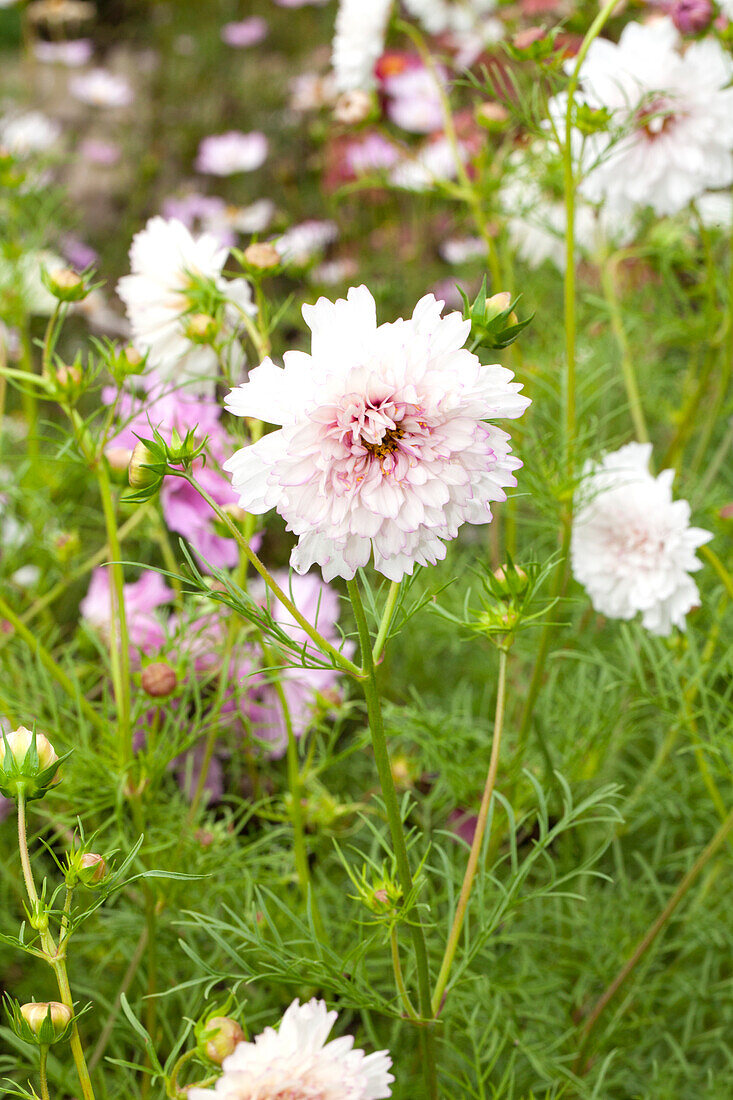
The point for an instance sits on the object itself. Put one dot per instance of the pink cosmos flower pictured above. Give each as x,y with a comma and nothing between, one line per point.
247,32
201,214
105,153
297,1062
382,448
141,598
184,510
227,154
73,53
101,88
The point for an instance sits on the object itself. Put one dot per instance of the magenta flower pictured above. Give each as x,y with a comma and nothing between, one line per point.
142,598
247,32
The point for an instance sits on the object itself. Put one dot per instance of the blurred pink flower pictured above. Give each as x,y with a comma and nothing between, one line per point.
76,52
232,152
247,32
101,88
105,153
372,153
142,597
79,254
201,214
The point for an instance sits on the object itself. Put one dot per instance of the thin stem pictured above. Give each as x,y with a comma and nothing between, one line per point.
478,840
323,644
608,281
569,187
119,638
719,568
650,936
386,623
399,978
43,1074
25,861
394,817
61,678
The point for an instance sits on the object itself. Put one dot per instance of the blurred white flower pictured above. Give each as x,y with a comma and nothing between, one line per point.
358,41
72,53
299,244
166,262
101,88
227,154
312,92
296,1062
674,114
433,162
716,208
441,16
414,100
461,250
383,447
632,546
30,132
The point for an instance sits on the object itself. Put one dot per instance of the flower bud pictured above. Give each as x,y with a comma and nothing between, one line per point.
691,16
492,116
47,1020
158,680
522,40
499,303
68,377
353,107
66,285
29,764
202,328
138,473
220,1038
262,255
118,460
92,869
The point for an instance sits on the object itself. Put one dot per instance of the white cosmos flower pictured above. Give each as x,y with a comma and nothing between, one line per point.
435,161
383,448
457,16
297,1063
359,40
227,154
101,88
166,261
29,132
674,116
632,546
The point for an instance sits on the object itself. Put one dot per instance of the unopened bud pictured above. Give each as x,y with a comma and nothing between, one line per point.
221,1036
501,574
353,107
202,328
262,255
526,38
19,741
68,377
92,869
492,116
691,16
48,1020
66,285
158,680
139,474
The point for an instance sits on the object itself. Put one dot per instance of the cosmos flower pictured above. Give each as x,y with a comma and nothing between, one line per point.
672,119
358,42
101,88
383,448
433,162
441,16
141,598
299,244
632,546
72,53
247,32
414,100
29,132
297,1062
160,294
227,154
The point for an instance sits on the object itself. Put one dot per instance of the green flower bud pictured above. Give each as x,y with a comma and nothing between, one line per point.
65,284
30,764
92,869
41,1022
219,1038
202,328
139,473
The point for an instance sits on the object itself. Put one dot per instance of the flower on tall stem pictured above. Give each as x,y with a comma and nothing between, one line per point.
632,545
383,448
297,1062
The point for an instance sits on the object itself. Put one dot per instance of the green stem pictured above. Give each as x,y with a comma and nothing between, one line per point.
394,817
650,936
608,281
323,644
119,638
61,678
719,568
398,976
478,840
386,623
29,398
569,187
54,956
43,1074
